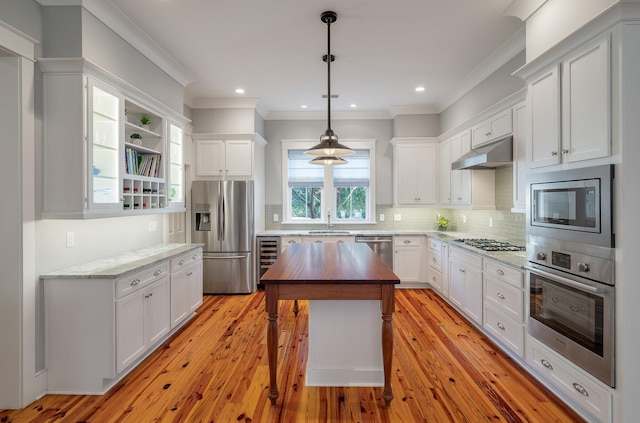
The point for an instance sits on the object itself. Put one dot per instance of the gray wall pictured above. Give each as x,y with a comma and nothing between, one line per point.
24,15
224,121
498,86
277,130
416,126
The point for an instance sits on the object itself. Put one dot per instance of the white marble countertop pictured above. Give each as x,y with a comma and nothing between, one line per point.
121,265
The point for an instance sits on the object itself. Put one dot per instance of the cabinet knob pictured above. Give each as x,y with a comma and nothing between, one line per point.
546,364
157,272
500,295
135,282
193,257
501,326
500,272
580,389
181,262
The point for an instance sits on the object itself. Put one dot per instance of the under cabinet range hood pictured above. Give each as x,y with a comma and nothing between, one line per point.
488,156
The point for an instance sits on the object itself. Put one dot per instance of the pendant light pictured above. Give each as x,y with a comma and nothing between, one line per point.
329,150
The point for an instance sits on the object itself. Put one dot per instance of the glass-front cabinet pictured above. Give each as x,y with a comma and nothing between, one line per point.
108,149
105,107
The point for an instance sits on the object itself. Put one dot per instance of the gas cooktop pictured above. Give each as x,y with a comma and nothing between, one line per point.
490,244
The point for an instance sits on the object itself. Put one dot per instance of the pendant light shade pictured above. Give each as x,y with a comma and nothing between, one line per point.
329,149
328,160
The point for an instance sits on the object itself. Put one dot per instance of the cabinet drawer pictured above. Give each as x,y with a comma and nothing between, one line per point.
503,273
592,396
435,244
471,258
434,258
131,283
435,279
185,260
506,330
407,241
507,298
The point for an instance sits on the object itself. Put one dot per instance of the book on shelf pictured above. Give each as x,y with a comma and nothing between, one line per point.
142,164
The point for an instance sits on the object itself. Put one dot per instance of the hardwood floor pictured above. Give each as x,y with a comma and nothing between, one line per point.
215,370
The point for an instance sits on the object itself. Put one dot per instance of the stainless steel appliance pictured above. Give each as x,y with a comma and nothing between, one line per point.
268,252
381,245
223,220
573,205
489,244
571,302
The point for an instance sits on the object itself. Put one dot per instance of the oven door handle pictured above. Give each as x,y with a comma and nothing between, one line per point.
566,281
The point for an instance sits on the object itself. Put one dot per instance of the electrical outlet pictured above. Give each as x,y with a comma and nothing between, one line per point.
464,218
381,218
491,222
276,217
150,226
70,239
397,217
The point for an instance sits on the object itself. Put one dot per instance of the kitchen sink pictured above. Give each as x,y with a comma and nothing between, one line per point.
329,231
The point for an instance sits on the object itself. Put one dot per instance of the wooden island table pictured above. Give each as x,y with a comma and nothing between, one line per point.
327,271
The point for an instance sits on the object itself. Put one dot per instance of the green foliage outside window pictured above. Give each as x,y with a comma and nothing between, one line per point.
306,202
351,203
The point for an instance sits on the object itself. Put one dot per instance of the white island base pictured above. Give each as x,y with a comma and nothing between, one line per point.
345,343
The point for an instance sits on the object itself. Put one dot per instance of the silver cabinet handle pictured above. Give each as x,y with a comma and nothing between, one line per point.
500,295
157,272
193,257
135,282
461,270
565,151
291,241
318,242
500,272
501,326
149,295
340,242
181,262
190,273
434,259
580,389
406,241
546,364
554,153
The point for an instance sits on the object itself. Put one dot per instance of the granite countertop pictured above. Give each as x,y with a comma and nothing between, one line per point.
121,265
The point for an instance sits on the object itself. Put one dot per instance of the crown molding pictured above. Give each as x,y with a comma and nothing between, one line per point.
347,115
523,9
119,23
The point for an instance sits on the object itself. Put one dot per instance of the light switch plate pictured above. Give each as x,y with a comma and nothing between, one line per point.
381,218
276,217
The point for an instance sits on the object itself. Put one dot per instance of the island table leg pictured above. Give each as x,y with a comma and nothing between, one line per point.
388,304
271,294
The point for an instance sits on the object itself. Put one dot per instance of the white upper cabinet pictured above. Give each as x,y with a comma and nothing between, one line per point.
415,171
226,158
569,108
445,172
475,189
491,129
520,164
586,106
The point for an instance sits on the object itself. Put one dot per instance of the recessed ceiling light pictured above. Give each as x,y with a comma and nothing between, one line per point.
304,106
239,91
419,89
353,106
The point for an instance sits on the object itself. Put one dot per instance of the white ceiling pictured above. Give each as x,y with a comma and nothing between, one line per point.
384,49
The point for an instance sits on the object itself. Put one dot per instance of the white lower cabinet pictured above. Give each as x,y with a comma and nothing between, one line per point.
436,270
408,259
465,282
329,239
142,318
589,394
98,327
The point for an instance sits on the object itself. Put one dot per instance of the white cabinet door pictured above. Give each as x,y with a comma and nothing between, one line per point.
543,107
460,179
492,128
409,260
210,158
416,173
157,319
239,159
130,341
520,164
179,297
194,283
457,281
473,293
586,108
445,172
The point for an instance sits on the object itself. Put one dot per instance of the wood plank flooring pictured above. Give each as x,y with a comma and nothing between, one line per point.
215,370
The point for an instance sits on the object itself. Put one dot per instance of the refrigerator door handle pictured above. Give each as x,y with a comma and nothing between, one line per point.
219,225
222,214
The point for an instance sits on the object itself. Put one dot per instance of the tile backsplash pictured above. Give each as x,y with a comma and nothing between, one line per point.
500,224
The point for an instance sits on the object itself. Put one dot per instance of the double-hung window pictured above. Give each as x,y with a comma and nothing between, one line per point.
313,192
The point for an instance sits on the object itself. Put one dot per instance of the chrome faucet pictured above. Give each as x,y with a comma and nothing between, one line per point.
329,225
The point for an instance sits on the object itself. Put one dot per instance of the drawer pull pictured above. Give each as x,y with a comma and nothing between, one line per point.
500,272
546,364
406,241
580,389
193,257
501,326
157,272
461,270
500,295
318,242
181,262
149,295
434,259
190,273
292,241
340,242
135,282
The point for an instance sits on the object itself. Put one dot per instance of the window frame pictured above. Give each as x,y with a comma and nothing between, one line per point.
328,192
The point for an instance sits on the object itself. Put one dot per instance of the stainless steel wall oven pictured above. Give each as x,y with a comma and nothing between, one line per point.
571,302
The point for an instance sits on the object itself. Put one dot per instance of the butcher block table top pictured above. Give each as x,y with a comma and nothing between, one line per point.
329,271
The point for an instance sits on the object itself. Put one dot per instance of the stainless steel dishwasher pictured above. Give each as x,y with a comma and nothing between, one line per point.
381,245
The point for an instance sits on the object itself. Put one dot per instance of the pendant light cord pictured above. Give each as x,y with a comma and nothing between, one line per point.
329,74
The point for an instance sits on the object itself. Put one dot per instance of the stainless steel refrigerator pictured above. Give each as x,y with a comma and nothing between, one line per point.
222,219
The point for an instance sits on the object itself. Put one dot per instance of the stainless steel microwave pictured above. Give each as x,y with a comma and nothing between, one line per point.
573,205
